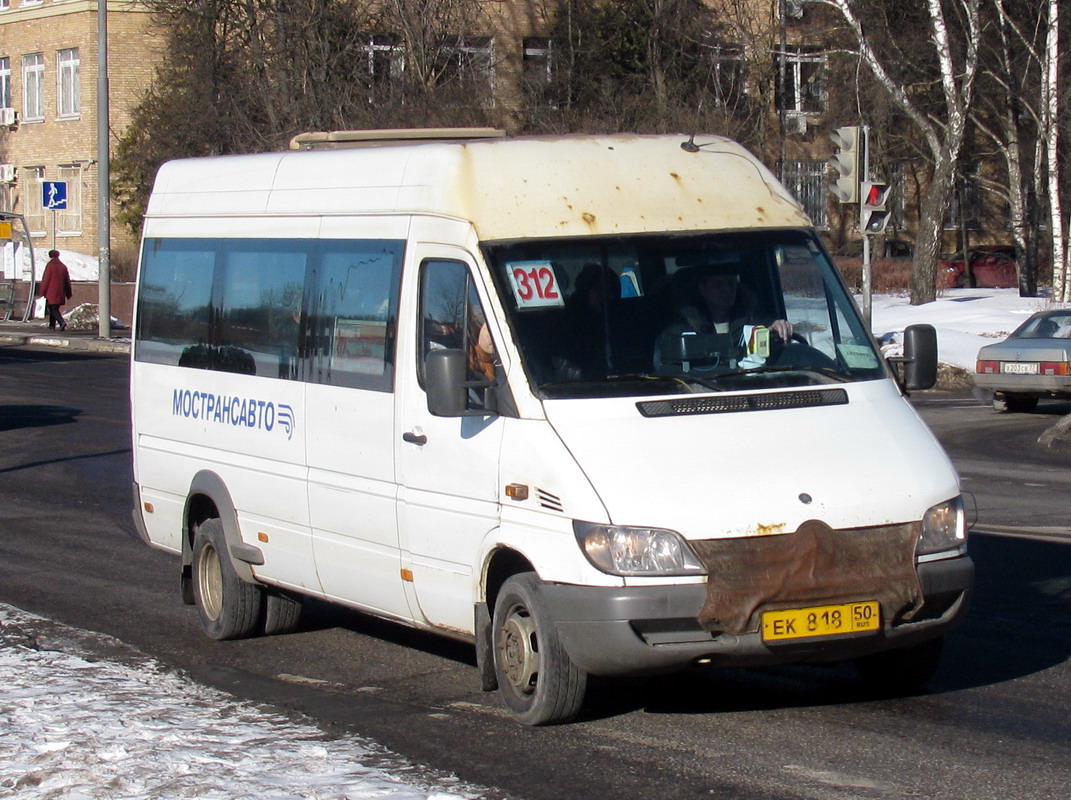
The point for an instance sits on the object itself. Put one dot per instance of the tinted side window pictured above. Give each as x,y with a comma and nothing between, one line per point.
175,299
355,318
451,316
260,310
302,309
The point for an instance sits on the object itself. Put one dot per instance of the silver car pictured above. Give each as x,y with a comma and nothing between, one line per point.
1032,363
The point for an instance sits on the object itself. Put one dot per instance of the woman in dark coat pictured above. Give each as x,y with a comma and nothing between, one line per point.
56,289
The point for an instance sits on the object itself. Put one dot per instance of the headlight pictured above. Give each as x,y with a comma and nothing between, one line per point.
621,550
944,527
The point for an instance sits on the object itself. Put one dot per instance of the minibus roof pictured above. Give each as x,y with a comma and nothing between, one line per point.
509,188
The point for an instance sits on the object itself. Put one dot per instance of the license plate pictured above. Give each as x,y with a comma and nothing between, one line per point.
1019,368
803,623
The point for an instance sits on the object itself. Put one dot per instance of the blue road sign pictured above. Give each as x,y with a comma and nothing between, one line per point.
54,195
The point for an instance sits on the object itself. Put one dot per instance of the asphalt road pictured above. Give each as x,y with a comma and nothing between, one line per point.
995,723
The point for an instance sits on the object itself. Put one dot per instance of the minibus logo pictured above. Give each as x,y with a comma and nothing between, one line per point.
234,410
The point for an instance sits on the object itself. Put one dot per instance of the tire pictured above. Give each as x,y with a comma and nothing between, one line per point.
229,607
896,673
1013,405
282,612
1021,405
538,682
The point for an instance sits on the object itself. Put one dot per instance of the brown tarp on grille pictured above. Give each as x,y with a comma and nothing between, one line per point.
816,565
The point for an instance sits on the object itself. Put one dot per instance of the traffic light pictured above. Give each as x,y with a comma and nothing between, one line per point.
873,215
846,162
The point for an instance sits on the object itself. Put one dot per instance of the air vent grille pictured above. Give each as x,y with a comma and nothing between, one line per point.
731,404
549,501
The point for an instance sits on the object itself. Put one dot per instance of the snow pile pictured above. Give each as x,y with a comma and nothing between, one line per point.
81,267
965,319
86,317
75,729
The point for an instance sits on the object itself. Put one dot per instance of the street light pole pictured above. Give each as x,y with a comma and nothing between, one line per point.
104,217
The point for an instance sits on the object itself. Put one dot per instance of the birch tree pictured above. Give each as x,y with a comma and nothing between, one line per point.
1008,117
1050,115
943,134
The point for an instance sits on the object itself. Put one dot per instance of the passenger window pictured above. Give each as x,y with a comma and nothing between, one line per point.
261,312
451,316
175,300
354,326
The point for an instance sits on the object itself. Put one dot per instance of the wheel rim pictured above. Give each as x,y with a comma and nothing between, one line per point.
210,582
518,645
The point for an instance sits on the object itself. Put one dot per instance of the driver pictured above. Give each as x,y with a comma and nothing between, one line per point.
711,300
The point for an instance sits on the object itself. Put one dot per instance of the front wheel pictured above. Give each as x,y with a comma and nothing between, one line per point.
895,673
538,681
229,607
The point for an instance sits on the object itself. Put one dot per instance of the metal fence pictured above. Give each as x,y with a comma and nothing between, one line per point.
808,184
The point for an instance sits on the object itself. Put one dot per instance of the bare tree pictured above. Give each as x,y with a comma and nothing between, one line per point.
1008,116
956,62
1050,108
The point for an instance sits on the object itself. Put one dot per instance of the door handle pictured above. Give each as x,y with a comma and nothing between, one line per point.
414,438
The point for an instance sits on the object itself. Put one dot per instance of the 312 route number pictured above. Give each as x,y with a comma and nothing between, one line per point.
534,284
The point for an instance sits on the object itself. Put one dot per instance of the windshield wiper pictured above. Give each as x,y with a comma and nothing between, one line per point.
828,372
638,377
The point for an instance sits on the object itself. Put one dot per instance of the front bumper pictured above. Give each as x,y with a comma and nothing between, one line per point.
651,630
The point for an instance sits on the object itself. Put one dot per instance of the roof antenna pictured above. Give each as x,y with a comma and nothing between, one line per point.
690,146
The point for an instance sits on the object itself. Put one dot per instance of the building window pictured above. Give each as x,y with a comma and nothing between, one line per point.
33,87
539,61
727,77
69,220
384,64
806,180
4,5
32,208
5,82
801,84
467,61
68,83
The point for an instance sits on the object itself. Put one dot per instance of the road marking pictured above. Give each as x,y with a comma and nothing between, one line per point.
1044,534
841,780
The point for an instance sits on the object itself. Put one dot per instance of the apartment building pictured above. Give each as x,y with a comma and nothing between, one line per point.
48,107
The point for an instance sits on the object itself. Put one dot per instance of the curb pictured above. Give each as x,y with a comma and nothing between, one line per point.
66,343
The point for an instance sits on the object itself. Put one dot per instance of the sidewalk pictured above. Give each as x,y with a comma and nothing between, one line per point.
36,333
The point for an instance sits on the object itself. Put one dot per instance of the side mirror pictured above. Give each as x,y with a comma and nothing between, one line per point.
451,394
920,357
444,380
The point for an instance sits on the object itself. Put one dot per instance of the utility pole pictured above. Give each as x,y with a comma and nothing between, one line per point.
104,216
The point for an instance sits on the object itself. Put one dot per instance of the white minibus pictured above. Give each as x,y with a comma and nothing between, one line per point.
600,405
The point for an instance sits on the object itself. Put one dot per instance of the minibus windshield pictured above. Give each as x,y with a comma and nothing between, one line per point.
677,313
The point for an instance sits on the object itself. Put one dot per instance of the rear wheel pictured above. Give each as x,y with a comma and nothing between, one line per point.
538,681
229,607
1012,404
894,673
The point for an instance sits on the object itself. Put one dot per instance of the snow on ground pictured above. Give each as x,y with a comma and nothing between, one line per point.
965,319
80,729
80,266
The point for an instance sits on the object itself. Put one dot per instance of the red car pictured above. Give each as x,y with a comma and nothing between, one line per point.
992,267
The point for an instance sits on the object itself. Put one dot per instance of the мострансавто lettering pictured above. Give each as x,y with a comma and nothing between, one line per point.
248,412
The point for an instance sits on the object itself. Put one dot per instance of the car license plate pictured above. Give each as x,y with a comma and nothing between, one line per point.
1019,368
802,623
